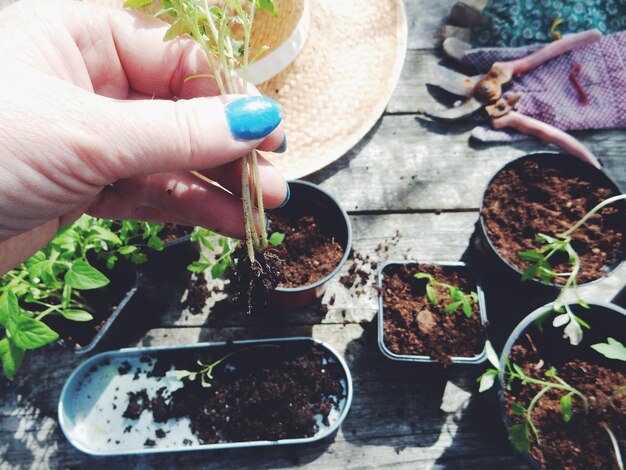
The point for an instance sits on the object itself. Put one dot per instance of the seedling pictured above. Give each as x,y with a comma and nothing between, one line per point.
212,28
612,349
213,241
459,298
540,267
276,238
520,434
205,373
52,280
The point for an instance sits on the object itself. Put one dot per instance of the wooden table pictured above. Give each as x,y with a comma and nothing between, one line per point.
412,186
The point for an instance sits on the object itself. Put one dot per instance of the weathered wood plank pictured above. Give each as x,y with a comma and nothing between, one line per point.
432,419
407,164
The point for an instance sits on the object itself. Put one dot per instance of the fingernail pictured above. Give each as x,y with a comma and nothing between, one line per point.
286,197
252,117
283,146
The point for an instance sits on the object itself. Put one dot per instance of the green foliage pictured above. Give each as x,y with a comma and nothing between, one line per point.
205,373
51,281
276,238
459,298
223,246
612,349
541,268
519,434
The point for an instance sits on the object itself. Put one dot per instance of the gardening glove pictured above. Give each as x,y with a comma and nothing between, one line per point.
96,116
582,89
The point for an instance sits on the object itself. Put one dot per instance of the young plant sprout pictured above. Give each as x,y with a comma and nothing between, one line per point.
209,240
205,373
276,238
520,434
459,298
211,26
540,267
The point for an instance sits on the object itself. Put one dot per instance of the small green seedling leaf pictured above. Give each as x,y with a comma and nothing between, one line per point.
32,334
430,293
276,238
492,357
198,266
612,349
518,409
450,308
566,407
83,276
487,380
76,315
11,357
518,436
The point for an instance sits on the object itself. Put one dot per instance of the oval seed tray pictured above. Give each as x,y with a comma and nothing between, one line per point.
110,403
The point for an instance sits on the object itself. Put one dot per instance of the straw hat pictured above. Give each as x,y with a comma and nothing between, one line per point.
348,57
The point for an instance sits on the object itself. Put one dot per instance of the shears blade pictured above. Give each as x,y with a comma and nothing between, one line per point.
454,82
456,113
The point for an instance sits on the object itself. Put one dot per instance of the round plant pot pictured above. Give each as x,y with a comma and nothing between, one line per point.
309,199
572,165
463,270
605,319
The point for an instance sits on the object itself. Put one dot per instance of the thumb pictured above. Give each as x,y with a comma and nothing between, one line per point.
156,136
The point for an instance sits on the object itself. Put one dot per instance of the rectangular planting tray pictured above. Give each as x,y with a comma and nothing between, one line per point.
478,359
96,394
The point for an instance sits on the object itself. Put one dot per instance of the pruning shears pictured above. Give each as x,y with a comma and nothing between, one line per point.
484,92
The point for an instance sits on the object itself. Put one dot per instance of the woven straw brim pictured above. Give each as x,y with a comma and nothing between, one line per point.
340,83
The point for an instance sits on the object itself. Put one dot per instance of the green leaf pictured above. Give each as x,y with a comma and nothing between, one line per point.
137,3
430,293
276,238
111,261
530,256
518,409
518,436
179,28
156,243
452,307
474,296
32,334
9,308
11,357
455,293
106,235
467,307
197,267
83,276
36,258
218,269
487,380
127,250
566,407
518,370
492,357
422,276
67,296
138,258
267,5
76,315
530,272
612,349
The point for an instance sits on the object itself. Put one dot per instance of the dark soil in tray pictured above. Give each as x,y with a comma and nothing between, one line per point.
530,198
270,392
102,303
414,326
309,251
171,232
581,443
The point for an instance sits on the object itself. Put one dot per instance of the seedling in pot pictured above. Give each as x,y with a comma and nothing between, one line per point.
540,267
520,433
205,373
257,271
459,298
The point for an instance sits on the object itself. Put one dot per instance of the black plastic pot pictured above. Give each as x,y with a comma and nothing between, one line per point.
118,294
309,199
606,320
477,359
565,161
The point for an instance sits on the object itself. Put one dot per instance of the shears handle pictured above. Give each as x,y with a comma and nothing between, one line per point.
548,52
546,133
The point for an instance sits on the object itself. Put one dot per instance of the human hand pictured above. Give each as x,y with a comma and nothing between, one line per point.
96,117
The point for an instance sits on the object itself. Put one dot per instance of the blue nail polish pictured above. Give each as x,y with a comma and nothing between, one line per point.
283,146
267,224
253,117
286,197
